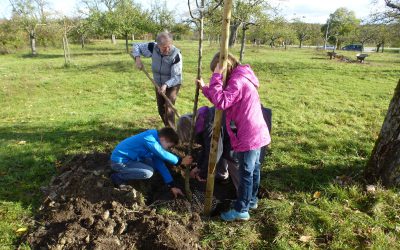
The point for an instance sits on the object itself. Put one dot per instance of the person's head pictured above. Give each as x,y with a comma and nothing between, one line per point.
168,137
232,63
164,42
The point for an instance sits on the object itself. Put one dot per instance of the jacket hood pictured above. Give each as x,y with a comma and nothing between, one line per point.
247,72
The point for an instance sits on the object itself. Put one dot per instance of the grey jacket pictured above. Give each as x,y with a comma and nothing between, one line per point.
166,69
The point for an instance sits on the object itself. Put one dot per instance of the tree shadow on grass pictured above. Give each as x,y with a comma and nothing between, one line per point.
115,66
73,54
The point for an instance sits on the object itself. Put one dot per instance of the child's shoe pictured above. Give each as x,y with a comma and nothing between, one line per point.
232,215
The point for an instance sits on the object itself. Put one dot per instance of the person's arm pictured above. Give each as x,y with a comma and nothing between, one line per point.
220,97
142,49
152,144
176,72
159,165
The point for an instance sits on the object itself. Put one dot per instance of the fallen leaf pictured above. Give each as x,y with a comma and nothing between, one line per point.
22,230
305,238
317,195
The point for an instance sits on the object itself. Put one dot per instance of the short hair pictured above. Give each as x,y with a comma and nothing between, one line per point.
164,37
169,134
233,62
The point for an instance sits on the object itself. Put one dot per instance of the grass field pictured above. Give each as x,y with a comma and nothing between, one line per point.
326,117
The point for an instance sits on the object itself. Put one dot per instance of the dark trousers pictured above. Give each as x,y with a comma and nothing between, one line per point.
166,113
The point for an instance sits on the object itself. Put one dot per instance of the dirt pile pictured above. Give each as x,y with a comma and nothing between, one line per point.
83,210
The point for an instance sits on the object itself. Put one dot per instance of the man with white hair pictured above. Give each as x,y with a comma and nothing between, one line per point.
167,71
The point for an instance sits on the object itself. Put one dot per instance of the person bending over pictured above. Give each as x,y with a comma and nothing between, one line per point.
138,156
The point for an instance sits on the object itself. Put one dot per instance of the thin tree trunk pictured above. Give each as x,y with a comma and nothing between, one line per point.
127,43
83,41
133,37
301,44
378,47
113,40
65,51
383,45
32,38
196,99
243,42
68,52
233,34
212,162
336,44
384,163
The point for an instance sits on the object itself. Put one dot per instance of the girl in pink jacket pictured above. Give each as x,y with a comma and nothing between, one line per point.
240,100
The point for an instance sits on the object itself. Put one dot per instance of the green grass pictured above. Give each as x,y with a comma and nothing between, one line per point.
326,117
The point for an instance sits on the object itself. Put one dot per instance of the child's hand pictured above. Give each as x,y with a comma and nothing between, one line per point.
218,69
187,160
195,174
176,192
200,82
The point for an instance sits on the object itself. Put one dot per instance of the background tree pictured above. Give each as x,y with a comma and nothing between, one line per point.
303,30
384,163
131,19
244,14
30,14
341,23
162,17
364,34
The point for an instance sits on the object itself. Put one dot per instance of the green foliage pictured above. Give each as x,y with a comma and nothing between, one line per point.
11,37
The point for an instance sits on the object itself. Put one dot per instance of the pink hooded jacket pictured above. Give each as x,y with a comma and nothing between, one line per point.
242,105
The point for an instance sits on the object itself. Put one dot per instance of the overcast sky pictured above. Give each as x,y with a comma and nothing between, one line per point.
316,11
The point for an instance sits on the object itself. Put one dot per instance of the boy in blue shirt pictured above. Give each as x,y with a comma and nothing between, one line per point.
136,157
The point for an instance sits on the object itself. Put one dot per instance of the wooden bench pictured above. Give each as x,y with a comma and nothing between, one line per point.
331,54
361,57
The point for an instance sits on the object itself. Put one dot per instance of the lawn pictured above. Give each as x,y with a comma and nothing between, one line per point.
326,117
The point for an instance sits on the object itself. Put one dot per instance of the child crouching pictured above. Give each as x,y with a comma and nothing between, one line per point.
137,157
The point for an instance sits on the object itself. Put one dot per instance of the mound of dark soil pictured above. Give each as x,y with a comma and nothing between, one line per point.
83,210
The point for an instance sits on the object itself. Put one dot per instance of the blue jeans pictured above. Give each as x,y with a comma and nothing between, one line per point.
249,179
133,170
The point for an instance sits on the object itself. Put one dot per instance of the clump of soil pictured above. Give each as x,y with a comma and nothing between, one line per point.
83,210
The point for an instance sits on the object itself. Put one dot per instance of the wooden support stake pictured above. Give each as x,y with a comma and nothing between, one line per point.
218,113
167,100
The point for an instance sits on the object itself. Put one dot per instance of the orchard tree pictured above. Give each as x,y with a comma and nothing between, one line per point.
131,19
244,14
340,24
30,14
162,18
364,34
384,164
303,30
104,15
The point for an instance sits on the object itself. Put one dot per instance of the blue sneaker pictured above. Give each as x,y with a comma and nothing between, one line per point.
116,180
232,215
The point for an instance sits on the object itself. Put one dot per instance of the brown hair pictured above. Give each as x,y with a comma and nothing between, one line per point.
169,134
233,62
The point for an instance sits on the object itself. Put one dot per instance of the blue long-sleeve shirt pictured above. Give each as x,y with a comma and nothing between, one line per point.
146,145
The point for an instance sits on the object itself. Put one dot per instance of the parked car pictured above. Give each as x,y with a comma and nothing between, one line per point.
354,47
